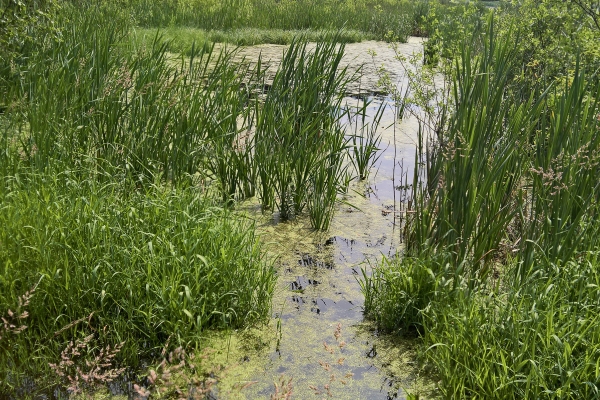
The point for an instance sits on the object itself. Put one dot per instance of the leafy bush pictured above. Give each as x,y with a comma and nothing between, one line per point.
551,37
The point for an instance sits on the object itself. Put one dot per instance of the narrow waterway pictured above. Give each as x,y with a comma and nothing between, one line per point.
317,342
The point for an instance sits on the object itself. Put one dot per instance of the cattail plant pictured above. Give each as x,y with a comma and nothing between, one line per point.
366,141
299,141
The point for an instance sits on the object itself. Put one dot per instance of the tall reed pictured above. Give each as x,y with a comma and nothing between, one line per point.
501,279
366,140
133,109
562,201
299,140
475,168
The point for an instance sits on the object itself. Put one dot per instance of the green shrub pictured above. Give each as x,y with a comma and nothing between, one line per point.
551,37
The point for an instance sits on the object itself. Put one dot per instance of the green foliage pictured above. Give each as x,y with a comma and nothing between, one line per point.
447,26
102,210
465,205
551,37
135,110
366,140
180,40
389,20
501,276
563,196
146,264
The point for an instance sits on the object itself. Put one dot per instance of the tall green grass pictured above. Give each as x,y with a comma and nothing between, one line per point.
146,114
532,339
300,145
390,20
500,278
475,168
562,199
133,109
539,339
366,140
146,264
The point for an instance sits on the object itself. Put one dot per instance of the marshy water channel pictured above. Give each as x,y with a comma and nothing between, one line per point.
317,336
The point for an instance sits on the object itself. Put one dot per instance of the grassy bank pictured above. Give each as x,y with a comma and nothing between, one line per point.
111,246
390,19
249,23
500,274
181,39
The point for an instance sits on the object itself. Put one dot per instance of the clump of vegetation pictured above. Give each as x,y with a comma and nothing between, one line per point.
366,141
300,145
382,20
22,23
499,277
95,370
